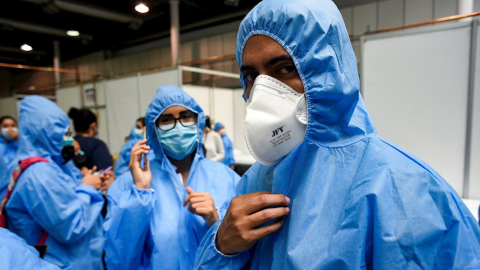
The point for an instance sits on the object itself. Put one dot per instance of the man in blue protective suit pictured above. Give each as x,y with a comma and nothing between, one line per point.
149,225
136,134
327,192
49,197
229,159
16,254
8,138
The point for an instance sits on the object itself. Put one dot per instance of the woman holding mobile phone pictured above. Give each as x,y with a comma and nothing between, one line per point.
158,216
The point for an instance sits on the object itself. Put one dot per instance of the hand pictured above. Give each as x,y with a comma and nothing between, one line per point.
141,178
93,180
239,230
109,178
201,203
76,146
12,134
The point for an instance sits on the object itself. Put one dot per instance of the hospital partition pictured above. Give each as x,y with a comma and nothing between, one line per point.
422,89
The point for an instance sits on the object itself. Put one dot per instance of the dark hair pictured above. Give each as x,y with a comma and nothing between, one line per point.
142,120
7,117
208,124
82,118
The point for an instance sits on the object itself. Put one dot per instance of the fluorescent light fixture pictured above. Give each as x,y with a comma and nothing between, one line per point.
26,47
141,8
73,33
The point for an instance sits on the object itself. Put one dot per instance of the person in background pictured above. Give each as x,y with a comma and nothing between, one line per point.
8,138
212,142
229,159
94,149
136,134
49,197
157,217
327,191
15,253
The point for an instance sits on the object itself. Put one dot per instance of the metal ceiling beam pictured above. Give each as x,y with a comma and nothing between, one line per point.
42,29
93,11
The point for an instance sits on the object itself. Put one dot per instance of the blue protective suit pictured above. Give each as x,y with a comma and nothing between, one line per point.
8,149
48,196
150,229
229,158
357,200
15,254
121,165
4,178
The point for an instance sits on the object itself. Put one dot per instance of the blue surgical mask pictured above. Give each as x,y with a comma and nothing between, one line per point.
5,130
178,142
67,141
138,133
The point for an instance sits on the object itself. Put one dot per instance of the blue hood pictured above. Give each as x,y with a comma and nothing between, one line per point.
325,61
132,135
166,97
41,128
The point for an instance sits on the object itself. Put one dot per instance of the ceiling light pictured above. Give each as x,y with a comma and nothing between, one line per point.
141,8
73,33
31,88
26,47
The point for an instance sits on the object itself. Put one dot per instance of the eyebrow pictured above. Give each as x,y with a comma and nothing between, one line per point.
271,62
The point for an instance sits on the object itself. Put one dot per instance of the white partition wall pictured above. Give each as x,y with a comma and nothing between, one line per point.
415,85
9,106
474,183
150,82
122,109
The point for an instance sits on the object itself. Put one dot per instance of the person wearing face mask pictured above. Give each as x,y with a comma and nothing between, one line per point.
327,192
229,159
136,134
158,216
51,200
8,138
213,145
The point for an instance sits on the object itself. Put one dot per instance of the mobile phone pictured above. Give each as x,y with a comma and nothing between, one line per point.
144,155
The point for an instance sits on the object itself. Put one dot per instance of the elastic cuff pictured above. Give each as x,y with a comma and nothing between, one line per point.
215,244
143,191
87,188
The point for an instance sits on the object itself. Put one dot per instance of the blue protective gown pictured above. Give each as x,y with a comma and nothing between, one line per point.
8,149
150,229
229,159
4,178
228,145
15,254
121,165
357,200
48,196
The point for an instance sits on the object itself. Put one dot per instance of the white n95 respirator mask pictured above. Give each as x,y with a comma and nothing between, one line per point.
275,120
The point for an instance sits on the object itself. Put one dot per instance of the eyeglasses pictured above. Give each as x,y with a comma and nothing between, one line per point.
169,122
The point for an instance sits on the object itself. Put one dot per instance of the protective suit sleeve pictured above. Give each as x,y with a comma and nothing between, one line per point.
127,225
208,257
16,254
66,214
121,164
220,150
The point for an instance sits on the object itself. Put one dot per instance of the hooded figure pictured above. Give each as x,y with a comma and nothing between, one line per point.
357,201
121,164
229,159
48,196
8,146
150,228
16,254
